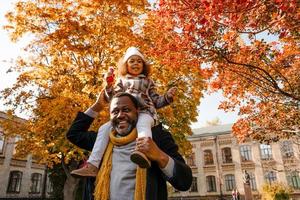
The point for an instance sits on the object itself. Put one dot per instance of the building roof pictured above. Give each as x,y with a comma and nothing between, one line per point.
3,115
212,130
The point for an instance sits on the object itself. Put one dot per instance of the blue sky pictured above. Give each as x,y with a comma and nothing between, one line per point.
208,109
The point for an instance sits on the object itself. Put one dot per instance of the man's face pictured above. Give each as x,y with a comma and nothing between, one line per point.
123,115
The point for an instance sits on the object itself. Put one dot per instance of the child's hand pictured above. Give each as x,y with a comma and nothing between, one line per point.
110,76
171,92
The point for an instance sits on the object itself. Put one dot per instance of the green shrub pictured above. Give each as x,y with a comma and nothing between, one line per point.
276,191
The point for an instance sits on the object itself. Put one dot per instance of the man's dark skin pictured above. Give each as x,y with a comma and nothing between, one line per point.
123,115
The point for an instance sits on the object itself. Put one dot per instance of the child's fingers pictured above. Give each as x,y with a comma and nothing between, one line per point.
173,90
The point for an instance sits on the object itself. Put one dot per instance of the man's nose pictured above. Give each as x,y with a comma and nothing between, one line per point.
120,114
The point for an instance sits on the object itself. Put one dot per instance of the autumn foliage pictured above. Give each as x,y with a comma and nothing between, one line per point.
221,45
74,43
249,49
276,191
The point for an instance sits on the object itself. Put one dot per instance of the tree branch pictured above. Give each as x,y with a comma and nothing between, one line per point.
66,170
268,76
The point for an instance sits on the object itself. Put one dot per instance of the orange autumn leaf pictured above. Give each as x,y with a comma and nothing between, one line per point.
259,78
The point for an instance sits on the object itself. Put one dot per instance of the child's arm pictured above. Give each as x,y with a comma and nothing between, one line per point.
161,100
110,90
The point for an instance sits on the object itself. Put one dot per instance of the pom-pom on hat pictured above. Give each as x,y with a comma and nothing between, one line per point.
131,51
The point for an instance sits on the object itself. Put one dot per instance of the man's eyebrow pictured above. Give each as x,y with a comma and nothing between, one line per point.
122,107
114,109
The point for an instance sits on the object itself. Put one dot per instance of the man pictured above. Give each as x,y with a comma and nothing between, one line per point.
122,175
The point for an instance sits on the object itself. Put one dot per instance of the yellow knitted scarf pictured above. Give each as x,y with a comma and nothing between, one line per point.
103,178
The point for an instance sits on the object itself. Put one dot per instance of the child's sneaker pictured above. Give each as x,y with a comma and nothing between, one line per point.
87,170
140,159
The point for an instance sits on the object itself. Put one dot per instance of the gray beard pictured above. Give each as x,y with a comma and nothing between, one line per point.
129,129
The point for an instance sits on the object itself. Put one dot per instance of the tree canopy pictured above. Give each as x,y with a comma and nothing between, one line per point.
74,43
259,77
194,45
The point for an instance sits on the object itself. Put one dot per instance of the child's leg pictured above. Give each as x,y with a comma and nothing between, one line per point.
144,125
91,169
100,144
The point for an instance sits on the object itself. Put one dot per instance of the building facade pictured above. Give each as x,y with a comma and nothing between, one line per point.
20,178
219,164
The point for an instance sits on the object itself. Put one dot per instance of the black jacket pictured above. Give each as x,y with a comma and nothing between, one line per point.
156,188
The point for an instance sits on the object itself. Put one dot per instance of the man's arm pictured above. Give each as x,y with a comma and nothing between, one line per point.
78,133
163,151
182,173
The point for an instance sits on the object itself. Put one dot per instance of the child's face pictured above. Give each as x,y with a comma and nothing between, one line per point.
135,65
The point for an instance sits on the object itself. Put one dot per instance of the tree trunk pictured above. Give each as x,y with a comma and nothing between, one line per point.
70,188
71,183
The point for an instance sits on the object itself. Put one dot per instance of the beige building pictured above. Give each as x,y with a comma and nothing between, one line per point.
19,178
218,163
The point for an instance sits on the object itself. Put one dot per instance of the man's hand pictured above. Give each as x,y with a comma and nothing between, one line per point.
147,146
100,102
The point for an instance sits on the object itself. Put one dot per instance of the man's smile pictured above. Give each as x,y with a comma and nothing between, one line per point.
122,123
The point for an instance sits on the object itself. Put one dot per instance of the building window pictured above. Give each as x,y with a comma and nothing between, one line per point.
252,181
191,160
208,157
270,176
226,155
194,187
49,187
229,182
1,142
293,179
266,152
14,184
211,184
287,149
36,182
245,153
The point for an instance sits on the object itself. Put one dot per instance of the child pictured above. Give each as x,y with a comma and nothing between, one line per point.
133,70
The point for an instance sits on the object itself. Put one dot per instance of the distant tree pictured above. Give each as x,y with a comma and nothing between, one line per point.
213,122
276,191
57,177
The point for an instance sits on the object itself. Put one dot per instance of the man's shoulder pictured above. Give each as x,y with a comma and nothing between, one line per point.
159,129
159,132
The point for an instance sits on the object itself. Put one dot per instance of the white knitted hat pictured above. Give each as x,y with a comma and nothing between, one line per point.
133,51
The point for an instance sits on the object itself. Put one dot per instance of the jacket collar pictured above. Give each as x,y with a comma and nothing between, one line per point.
129,76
